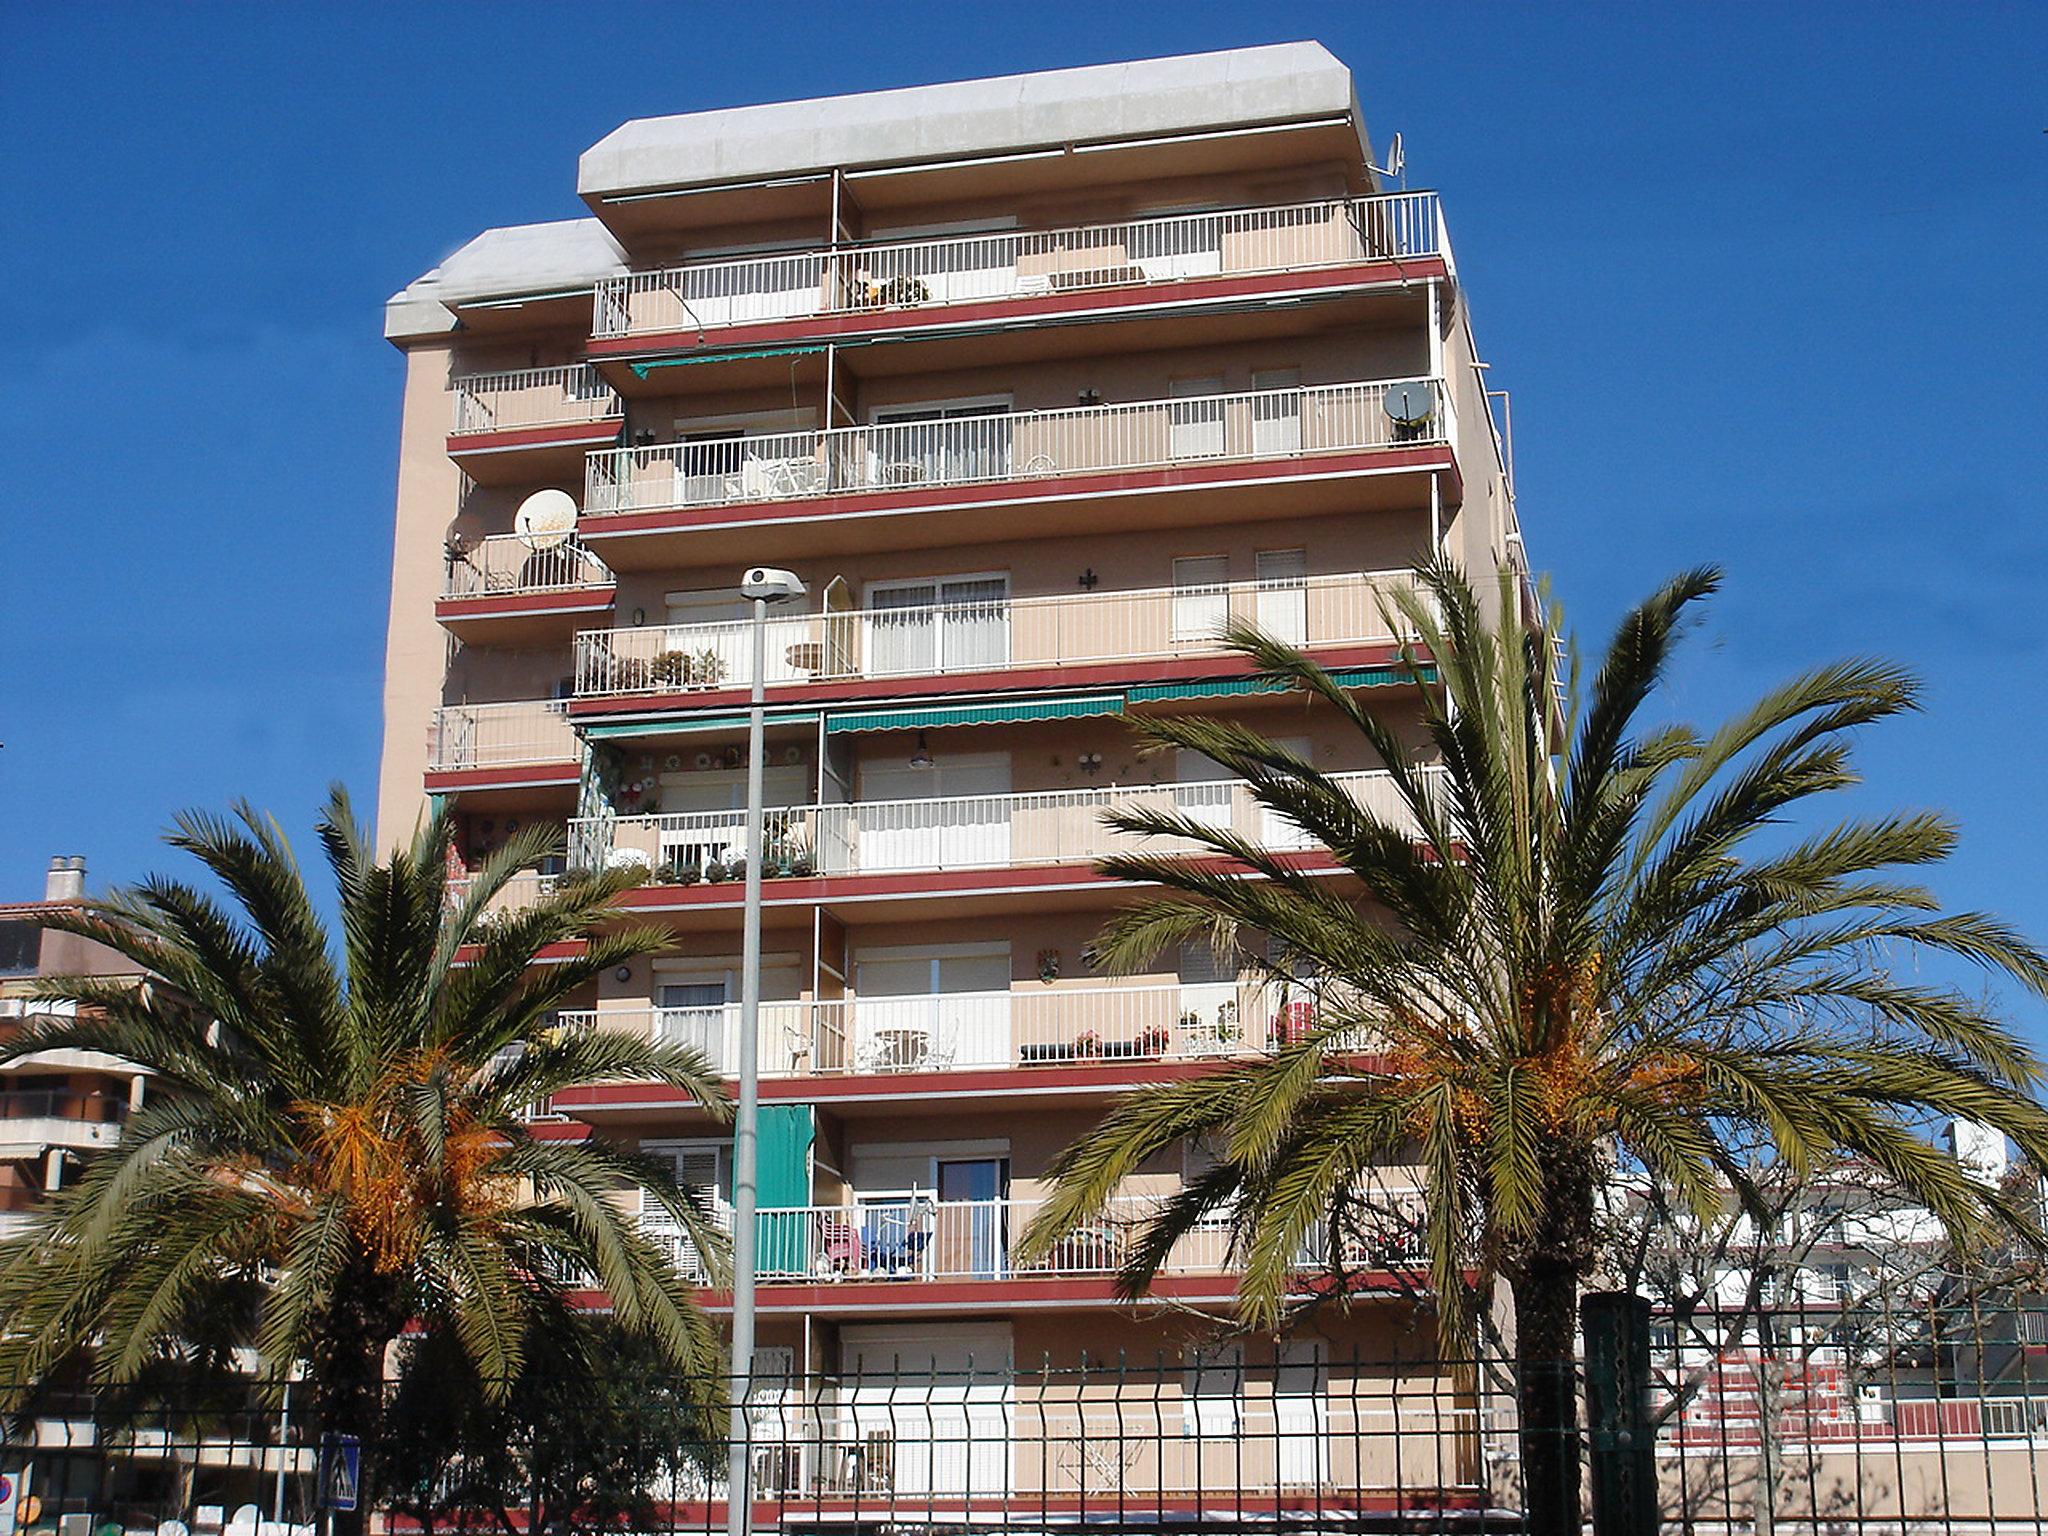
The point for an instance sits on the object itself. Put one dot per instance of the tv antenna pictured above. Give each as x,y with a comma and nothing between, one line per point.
1397,163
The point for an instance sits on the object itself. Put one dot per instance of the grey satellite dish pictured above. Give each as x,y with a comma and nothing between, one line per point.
545,519
1410,404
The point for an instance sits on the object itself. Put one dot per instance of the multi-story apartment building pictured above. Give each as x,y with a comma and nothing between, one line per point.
1035,381
57,1108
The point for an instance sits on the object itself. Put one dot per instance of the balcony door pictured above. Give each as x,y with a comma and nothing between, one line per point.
1196,418
693,1013
929,1405
1276,413
705,1167
973,1236
1204,790
1280,579
942,443
954,814
711,810
946,624
930,1009
1164,246
1301,1413
1275,830
1201,600
954,267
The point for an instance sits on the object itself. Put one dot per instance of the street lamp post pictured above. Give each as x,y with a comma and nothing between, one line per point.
760,586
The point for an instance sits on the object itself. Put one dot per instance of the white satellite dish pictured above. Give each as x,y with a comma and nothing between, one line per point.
1397,161
545,519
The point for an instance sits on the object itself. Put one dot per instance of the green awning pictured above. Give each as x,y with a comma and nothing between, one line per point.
1221,688
932,716
628,729
691,359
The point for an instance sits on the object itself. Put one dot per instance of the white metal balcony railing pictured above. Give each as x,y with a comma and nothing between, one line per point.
531,397
501,735
956,832
1267,424
930,1032
997,634
1006,264
505,565
916,1237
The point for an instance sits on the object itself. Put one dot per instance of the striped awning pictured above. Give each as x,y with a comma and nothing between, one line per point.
627,730
1223,688
997,712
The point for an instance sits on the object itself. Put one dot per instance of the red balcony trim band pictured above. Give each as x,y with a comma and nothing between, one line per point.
1004,880
1106,302
1005,1293
572,434
446,781
899,500
1168,669
512,605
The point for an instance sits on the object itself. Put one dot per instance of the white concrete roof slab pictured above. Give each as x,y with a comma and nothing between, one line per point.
517,259
1192,93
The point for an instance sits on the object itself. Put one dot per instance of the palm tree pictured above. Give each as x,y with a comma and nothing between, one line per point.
336,1143
1565,961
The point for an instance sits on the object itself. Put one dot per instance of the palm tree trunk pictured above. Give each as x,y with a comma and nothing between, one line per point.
348,1378
1546,1334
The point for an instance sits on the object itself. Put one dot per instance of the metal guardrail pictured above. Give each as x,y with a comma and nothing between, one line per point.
1018,446
501,735
506,565
957,831
995,633
914,275
531,397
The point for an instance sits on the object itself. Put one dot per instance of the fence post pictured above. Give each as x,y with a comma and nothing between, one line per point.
1620,1436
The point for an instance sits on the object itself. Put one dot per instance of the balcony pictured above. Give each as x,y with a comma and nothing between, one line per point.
1077,640
506,591
1070,1027
496,746
1308,449
34,1120
916,1238
530,423
1084,269
950,835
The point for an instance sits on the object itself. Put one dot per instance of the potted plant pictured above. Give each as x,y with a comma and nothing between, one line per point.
1088,1043
687,872
1153,1041
800,862
716,872
1190,1021
736,867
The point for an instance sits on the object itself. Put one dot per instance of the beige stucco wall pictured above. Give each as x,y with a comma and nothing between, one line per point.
415,647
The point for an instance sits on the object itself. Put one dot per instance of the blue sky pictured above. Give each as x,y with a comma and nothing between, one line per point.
1766,284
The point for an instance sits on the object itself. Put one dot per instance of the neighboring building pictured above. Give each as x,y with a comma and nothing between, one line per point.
1034,381
57,1108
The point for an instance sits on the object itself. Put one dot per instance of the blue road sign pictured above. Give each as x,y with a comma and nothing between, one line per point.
341,1466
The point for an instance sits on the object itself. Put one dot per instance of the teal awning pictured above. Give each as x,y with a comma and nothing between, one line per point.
629,729
932,716
691,359
1223,688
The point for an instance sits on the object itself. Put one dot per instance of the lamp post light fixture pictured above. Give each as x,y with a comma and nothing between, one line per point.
760,586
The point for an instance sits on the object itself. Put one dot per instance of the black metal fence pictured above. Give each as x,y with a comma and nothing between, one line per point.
1816,1418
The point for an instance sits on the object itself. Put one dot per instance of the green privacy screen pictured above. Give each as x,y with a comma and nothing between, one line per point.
787,1131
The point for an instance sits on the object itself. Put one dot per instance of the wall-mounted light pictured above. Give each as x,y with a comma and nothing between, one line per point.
922,757
639,615
1088,580
1089,762
1089,397
644,438
623,973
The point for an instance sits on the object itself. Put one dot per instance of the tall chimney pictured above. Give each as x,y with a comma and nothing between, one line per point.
66,879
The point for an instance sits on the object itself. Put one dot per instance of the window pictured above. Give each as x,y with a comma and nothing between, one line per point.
20,943
951,624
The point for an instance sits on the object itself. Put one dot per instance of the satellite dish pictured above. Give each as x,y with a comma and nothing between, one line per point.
1410,404
1397,157
545,519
